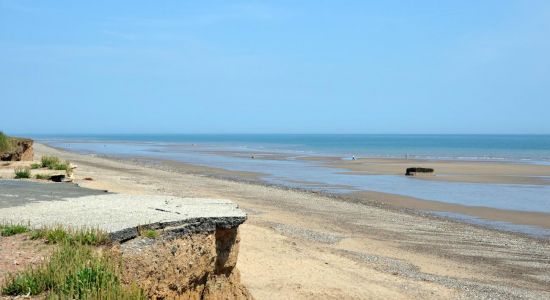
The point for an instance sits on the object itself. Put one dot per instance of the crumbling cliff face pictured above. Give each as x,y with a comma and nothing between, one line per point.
20,149
199,265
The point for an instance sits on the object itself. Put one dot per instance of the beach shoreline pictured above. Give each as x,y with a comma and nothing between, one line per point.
385,166
307,245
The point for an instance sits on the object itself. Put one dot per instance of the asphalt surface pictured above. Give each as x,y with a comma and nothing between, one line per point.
22,192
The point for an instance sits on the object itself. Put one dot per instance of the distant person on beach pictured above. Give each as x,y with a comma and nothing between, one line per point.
353,157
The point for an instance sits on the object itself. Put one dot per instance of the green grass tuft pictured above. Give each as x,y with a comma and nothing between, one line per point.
53,163
49,161
149,233
36,166
62,166
24,172
5,142
42,176
58,235
12,229
74,271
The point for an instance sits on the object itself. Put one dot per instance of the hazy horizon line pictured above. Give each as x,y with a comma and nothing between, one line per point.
264,133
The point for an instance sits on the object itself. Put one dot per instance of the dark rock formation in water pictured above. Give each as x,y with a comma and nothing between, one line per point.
418,171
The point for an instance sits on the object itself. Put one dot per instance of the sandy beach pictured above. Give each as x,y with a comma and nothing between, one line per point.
304,245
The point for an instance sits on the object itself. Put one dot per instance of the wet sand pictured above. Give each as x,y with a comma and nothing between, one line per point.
511,216
457,171
478,172
304,245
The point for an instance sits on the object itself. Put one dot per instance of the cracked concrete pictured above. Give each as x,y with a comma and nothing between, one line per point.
47,204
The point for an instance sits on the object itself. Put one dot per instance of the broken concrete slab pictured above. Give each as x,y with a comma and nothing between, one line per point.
47,204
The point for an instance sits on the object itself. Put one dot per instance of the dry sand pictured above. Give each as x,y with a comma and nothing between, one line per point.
299,245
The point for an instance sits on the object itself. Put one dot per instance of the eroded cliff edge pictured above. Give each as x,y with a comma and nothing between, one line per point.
172,248
17,149
191,266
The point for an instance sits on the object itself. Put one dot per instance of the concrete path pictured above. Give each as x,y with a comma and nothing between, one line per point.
49,204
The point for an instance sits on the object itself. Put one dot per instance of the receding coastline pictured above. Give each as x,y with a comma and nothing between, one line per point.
451,171
529,218
353,237
307,245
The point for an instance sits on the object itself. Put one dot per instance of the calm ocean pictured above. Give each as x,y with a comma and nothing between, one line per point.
517,148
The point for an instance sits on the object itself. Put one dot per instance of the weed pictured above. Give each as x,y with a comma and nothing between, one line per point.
42,176
5,142
24,172
49,161
53,163
58,235
149,233
74,271
12,229
36,166
62,166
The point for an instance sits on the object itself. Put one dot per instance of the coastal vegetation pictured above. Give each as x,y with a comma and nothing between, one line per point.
149,233
22,172
12,229
43,176
5,142
62,166
49,161
59,234
75,270
14,148
54,163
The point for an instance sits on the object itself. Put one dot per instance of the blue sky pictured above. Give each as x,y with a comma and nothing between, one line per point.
275,66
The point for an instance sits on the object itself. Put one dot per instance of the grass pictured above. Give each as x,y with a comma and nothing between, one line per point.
5,142
73,272
58,234
149,233
62,166
76,270
24,172
42,176
53,163
36,166
49,161
12,229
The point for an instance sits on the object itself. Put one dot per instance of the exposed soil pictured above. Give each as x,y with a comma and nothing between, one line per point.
199,266
18,252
